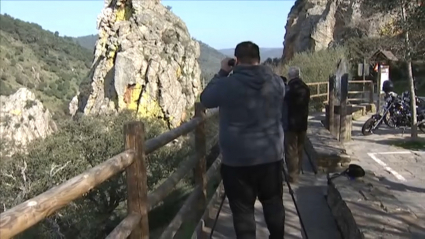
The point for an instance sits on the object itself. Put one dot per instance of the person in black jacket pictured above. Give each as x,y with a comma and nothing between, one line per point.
297,100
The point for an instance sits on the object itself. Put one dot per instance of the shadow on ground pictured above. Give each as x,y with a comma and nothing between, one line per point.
399,186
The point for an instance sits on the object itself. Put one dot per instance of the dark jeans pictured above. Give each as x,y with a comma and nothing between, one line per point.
294,152
243,185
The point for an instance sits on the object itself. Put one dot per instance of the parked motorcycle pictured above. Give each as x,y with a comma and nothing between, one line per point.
388,119
396,114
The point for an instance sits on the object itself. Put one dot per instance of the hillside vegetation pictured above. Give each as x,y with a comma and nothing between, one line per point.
42,61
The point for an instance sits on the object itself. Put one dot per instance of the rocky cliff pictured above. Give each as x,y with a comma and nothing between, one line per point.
23,119
313,25
145,60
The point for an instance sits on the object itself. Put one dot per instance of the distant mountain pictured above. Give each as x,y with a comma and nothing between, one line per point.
264,52
209,60
87,41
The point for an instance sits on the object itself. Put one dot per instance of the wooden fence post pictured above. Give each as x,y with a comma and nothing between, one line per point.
201,151
327,88
318,89
343,112
137,189
378,88
331,104
371,92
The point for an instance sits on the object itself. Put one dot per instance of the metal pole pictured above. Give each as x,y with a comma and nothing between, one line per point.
378,88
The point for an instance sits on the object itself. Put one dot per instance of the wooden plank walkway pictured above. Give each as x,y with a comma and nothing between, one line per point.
310,197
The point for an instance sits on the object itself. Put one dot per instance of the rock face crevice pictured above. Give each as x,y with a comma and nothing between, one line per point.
314,25
145,60
23,119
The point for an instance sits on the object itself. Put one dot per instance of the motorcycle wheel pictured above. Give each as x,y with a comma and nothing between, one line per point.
421,126
367,126
389,121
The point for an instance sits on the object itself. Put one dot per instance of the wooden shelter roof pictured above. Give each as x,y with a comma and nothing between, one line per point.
383,55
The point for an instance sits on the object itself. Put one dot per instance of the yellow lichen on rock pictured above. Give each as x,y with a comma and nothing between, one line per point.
179,72
121,103
16,112
144,105
132,104
111,55
123,13
148,107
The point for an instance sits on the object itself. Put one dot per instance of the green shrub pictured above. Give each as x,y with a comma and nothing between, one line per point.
5,89
41,86
76,147
19,79
315,66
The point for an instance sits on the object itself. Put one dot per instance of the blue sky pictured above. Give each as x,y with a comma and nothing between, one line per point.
220,24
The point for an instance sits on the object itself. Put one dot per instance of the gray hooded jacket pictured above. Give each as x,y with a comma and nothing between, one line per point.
250,105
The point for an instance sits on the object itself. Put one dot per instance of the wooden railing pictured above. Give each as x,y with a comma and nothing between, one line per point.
319,88
367,86
320,92
139,201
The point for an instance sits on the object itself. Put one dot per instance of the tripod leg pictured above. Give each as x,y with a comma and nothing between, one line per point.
291,192
218,214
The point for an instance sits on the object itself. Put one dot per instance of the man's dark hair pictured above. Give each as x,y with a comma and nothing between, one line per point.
247,52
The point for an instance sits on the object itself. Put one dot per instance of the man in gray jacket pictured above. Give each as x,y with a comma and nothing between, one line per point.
251,139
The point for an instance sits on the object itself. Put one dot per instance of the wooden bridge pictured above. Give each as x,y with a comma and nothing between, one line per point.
197,208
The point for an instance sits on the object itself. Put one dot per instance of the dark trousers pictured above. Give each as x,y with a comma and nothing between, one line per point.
243,185
294,152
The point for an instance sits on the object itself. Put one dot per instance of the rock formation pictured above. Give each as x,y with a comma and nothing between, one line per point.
23,119
145,60
314,25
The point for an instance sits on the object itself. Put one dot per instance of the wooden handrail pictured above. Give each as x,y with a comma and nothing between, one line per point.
319,94
360,82
32,211
165,138
175,224
126,226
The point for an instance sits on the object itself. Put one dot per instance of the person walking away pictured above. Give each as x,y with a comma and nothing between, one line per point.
297,99
250,139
